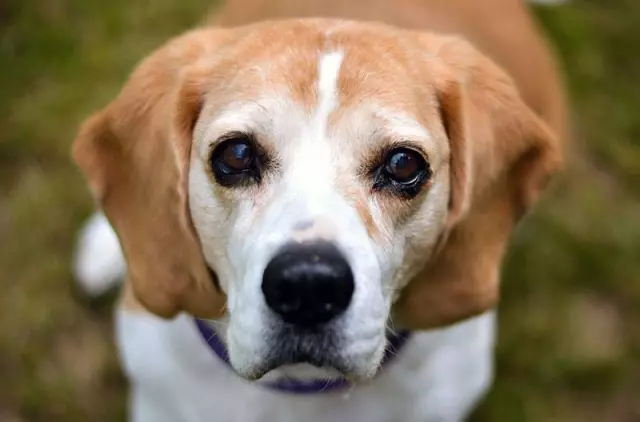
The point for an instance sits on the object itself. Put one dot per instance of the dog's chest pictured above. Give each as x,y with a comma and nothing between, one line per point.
439,376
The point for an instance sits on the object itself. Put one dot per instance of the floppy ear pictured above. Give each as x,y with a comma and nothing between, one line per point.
502,156
135,156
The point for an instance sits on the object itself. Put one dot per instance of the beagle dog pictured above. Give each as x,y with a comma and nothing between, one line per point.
313,199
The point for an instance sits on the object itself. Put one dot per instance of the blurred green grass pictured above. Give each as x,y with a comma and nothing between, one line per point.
569,346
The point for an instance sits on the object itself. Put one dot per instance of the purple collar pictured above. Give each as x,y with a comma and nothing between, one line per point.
396,342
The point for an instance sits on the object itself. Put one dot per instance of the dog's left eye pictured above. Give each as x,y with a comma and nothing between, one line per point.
234,160
403,171
404,165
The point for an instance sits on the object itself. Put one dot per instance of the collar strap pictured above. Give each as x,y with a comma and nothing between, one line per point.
396,342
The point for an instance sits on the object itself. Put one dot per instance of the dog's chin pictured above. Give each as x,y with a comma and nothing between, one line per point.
302,372
305,371
301,354
303,367
299,366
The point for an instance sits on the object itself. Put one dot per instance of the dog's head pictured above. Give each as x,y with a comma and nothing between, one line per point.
308,181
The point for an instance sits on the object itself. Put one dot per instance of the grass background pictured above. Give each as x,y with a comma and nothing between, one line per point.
569,346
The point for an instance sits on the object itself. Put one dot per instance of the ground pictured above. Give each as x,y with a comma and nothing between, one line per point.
569,346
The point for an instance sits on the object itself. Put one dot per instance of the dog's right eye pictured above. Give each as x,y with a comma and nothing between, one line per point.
237,156
235,160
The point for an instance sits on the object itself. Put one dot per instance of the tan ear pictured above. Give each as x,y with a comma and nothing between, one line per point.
135,156
502,156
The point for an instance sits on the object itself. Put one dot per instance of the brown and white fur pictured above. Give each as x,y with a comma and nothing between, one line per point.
324,91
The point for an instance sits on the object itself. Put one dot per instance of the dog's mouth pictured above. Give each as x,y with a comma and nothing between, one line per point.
215,280
303,368
295,348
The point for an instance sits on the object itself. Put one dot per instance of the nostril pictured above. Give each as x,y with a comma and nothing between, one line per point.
308,283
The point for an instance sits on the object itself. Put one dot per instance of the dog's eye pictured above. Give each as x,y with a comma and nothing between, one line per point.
403,172
404,165
235,160
237,155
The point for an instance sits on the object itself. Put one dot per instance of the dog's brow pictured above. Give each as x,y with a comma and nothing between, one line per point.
402,124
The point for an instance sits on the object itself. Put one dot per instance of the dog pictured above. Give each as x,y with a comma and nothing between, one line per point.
310,201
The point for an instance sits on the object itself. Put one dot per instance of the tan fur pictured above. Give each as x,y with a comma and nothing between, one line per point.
128,299
357,197
504,30
135,153
492,185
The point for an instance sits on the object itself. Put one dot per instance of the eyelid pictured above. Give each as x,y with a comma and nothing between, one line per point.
229,136
378,157
410,145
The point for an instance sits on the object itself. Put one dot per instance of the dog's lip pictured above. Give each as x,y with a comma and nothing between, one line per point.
325,359
336,369
214,279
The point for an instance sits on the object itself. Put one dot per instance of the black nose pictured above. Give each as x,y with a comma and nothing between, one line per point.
308,283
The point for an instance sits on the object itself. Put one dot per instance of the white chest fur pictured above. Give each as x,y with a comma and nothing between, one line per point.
438,376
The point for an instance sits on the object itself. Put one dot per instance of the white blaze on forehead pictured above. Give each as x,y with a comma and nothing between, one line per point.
312,171
328,72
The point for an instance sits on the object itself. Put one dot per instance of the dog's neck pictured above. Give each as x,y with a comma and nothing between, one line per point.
299,378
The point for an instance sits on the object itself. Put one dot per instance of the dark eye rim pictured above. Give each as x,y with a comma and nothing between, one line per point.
227,176
384,181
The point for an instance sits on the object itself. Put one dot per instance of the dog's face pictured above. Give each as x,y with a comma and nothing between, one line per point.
315,195
324,165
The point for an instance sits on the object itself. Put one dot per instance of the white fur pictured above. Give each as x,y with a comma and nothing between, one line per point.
438,377
98,262
328,72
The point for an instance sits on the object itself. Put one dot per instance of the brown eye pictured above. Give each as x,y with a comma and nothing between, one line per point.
404,165
235,161
237,155
403,172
